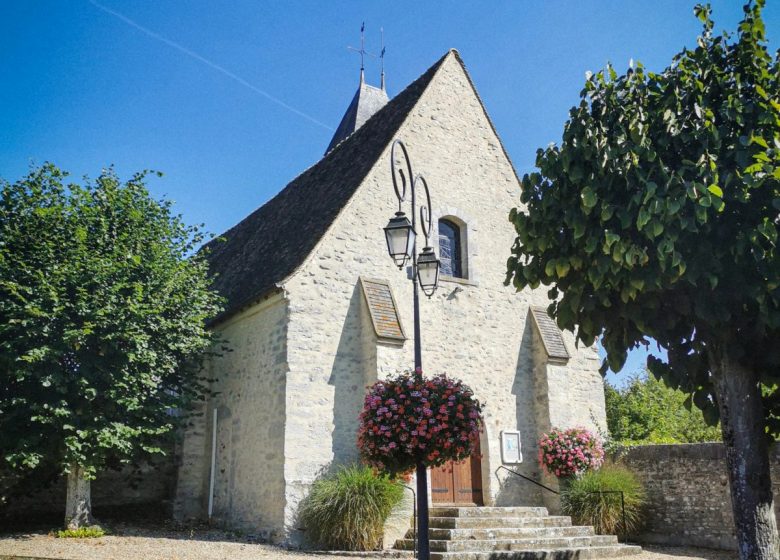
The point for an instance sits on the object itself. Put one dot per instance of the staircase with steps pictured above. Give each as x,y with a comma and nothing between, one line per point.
512,533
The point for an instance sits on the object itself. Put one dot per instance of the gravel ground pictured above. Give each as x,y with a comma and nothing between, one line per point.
208,544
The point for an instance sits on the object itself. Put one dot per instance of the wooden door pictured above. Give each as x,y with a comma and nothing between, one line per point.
458,483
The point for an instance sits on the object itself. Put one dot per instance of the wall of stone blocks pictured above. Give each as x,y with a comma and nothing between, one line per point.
150,482
248,394
688,493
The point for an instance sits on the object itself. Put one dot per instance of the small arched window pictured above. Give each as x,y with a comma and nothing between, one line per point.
450,250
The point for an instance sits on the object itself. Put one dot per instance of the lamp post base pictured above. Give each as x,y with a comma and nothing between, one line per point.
423,545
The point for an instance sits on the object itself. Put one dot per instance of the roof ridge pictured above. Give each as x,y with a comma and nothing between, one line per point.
259,252
484,110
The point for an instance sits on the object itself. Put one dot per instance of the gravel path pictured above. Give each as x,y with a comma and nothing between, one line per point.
207,544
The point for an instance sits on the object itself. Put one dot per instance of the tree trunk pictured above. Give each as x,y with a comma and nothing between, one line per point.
78,503
747,457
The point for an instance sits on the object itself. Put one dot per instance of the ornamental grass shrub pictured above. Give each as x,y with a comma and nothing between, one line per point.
580,499
347,510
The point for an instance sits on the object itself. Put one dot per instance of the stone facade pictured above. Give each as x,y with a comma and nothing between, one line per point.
295,415
249,397
687,486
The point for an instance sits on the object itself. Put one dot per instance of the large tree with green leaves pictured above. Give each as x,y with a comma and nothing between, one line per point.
656,218
102,325
646,410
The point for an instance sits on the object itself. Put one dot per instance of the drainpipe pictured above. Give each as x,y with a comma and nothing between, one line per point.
213,463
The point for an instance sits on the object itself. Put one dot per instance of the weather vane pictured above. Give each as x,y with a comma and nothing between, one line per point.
382,57
362,50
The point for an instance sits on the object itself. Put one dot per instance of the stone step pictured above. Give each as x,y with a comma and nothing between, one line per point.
581,553
506,533
497,522
485,511
512,544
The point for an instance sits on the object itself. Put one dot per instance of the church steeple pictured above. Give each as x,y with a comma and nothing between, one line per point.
367,101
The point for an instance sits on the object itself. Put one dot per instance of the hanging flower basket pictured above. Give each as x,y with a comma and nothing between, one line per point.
409,419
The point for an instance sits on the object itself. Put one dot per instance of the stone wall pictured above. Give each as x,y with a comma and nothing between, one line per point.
150,482
688,493
249,398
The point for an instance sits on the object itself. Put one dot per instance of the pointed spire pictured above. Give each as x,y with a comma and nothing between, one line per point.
367,101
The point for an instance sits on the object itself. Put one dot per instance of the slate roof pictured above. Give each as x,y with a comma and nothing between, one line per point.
367,101
254,256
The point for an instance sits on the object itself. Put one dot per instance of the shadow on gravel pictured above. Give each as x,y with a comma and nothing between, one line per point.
141,520
693,553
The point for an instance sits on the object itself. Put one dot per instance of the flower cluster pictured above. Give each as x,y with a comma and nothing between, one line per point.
567,453
409,419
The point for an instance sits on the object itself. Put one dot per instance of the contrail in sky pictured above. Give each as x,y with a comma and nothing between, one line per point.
207,62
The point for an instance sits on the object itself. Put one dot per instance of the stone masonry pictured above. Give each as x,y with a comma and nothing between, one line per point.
150,483
249,397
687,487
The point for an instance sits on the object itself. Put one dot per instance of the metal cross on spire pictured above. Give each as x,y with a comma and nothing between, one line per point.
362,51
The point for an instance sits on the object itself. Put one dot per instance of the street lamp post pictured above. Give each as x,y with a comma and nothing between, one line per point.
401,236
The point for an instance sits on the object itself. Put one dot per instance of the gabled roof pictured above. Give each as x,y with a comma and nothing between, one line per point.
257,254
367,101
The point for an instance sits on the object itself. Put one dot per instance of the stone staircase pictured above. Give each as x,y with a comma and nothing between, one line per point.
512,533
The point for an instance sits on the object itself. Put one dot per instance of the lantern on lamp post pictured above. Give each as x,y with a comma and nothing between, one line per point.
428,271
401,237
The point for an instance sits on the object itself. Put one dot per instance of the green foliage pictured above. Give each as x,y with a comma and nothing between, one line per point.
657,215
102,320
347,510
646,410
581,500
93,532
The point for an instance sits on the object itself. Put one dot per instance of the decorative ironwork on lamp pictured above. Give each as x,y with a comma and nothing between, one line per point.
401,234
401,244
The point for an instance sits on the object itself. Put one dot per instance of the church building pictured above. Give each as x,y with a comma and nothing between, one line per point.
316,311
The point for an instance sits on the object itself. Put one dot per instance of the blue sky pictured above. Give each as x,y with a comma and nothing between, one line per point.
231,100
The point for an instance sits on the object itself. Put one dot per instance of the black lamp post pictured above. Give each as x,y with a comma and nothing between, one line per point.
401,244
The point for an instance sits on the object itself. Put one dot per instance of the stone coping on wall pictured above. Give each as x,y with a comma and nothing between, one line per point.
705,451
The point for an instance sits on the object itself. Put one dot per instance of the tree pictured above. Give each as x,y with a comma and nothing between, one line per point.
102,325
656,218
646,410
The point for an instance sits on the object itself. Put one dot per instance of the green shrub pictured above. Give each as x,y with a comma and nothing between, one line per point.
347,510
646,410
581,501
81,533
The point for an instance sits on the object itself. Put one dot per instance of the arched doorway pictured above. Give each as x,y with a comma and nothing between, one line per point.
458,483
